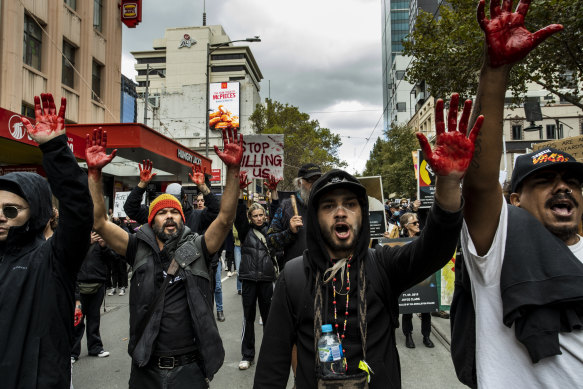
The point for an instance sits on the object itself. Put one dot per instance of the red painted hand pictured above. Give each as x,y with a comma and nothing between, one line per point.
243,183
78,316
232,150
95,154
197,175
272,182
453,151
48,125
507,39
146,174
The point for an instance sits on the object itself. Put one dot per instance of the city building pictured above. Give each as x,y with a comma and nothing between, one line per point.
173,75
69,48
129,98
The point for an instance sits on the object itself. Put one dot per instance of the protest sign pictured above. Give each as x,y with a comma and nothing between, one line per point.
376,208
572,145
120,200
263,156
425,182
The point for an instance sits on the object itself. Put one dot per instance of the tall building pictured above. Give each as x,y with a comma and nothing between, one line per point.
398,22
129,98
175,74
70,48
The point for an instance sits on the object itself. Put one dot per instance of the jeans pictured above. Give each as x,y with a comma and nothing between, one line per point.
218,288
237,264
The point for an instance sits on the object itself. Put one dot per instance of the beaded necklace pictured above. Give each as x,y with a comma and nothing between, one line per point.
339,292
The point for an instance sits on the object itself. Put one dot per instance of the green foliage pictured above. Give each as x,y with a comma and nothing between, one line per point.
448,53
304,140
391,159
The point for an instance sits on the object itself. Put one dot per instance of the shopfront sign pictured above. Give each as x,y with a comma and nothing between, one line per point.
188,157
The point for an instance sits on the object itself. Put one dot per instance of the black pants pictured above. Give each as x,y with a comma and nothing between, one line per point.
230,255
253,293
90,305
407,323
119,273
182,377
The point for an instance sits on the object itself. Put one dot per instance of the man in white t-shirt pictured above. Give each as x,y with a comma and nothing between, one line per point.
518,305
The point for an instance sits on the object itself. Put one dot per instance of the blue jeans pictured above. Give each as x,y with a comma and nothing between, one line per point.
237,264
218,288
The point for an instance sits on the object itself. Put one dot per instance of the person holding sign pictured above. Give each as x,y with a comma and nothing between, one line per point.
518,302
340,281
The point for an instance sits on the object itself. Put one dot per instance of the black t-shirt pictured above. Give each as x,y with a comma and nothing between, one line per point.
176,334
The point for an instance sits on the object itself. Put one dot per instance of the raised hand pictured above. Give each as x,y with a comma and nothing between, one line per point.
95,154
453,150
146,174
197,175
272,182
232,150
507,39
48,125
243,183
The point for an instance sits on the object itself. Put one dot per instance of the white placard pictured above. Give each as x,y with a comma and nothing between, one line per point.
263,156
120,200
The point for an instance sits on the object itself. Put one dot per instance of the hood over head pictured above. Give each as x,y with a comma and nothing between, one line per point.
334,179
36,191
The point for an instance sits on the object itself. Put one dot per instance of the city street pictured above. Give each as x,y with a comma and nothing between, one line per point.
421,367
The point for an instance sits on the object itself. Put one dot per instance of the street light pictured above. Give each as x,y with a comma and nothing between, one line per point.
147,86
210,48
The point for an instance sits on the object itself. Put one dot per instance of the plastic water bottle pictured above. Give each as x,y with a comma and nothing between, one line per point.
330,352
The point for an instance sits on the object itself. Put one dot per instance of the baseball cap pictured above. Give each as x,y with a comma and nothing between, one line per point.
336,179
549,157
309,170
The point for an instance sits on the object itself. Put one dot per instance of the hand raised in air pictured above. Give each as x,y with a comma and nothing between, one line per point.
271,182
243,183
197,175
95,150
146,174
48,125
232,148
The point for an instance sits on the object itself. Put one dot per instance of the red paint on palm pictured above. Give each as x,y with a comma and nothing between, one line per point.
232,148
95,152
146,167
271,182
197,175
48,122
243,183
507,39
453,150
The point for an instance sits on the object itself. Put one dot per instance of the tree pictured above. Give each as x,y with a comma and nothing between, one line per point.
304,140
391,159
448,51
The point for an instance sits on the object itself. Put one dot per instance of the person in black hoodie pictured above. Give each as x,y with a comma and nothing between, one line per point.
37,276
91,291
257,271
339,281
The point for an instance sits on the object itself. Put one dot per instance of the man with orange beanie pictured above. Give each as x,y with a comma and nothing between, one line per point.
173,334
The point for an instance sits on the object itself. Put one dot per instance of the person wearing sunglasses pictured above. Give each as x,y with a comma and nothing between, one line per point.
410,229
37,275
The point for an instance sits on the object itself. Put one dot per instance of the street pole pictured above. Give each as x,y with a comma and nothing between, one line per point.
206,111
146,95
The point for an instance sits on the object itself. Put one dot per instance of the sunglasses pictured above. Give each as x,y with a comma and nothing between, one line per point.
414,223
11,211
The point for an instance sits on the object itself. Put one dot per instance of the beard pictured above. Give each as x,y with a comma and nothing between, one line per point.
163,236
336,245
305,194
563,233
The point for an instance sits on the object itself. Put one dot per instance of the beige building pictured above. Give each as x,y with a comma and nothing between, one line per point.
72,49
177,84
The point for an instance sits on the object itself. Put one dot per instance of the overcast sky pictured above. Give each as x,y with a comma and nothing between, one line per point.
323,57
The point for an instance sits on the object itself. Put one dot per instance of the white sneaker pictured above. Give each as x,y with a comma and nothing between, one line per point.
229,274
260,321
244,365
111,292
103,354
122,291
73,360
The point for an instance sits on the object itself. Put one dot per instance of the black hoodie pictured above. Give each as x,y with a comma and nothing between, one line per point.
395,269
37,275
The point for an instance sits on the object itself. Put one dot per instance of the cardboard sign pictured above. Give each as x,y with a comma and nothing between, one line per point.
120,200
425,182
572,145
376,209
263,156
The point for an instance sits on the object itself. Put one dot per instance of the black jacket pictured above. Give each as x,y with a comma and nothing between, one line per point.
94,267
144,256
397,268
196,219
280,236
37,277
256,258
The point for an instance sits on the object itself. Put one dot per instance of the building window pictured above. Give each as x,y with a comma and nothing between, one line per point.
27,110
560,132
68,73
98,15
401,107
96,71
32,43
400,74
221,57
72,4
516,132
232,68
551,131
151,60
